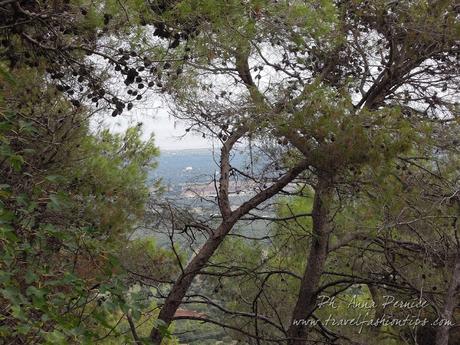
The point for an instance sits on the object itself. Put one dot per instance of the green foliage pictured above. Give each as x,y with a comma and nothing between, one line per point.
68,198
149,263
6,75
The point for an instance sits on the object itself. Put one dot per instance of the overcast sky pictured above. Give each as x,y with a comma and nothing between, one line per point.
169,133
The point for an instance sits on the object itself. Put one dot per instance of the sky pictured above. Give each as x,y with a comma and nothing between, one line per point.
169,133
153,113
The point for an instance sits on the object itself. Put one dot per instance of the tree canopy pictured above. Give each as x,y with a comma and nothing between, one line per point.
349,111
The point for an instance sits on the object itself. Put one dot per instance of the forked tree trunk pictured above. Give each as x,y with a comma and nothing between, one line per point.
182,284
306,300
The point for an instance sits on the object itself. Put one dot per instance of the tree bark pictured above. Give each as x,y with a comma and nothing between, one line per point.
450,303
306,300
379,311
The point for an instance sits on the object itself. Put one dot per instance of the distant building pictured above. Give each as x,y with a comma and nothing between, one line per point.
209,189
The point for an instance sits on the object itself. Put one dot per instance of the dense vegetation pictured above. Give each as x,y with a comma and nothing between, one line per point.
350,109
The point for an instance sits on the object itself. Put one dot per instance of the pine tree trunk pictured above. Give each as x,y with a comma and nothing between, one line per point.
306,300
183,283
451,302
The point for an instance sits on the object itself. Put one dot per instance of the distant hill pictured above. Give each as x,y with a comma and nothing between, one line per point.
187,176
180,167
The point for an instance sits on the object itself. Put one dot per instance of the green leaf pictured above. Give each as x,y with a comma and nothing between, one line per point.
6,75
33,291
4,277
26,127
6,231
30,277
24,328
56,338
58,201
18,312
11,294
55,178
16,162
